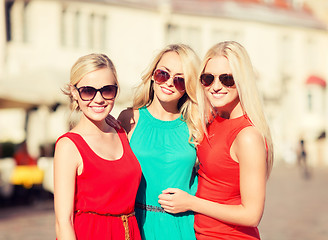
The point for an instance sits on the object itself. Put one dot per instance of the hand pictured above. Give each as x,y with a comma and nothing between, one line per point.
174,200
111,121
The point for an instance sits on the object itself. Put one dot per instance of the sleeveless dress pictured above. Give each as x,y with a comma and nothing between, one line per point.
167,160
104,192
218,177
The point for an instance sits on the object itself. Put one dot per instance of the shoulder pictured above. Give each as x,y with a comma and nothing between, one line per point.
65,149
67,160
249,141
249,135
64,143
128,118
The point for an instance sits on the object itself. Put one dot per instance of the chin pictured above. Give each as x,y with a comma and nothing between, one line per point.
217,104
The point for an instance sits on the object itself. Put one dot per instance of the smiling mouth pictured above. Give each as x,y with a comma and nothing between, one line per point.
166,90
218,94
98,108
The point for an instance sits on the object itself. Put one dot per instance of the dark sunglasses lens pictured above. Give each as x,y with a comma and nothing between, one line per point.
179,84
109,92
227,80
161,76
87,93
206,79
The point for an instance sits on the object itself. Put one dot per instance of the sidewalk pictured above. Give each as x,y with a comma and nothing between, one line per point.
296,209
36,222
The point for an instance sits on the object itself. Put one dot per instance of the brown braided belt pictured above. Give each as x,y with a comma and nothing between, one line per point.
124,218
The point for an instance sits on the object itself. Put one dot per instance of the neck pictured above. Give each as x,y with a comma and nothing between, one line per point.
166,111
88,126
233,112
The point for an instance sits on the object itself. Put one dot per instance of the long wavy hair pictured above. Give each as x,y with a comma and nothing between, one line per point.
245,79
187,104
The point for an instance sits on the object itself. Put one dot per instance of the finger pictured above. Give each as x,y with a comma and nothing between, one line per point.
169,190
166,204
165,196
167,208
170,210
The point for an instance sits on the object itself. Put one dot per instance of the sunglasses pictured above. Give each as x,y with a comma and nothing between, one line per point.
88,93
161,76
226,79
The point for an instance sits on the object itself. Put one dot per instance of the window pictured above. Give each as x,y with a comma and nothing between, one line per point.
8,8
188,34
25,22
83,29
62,27
309,101
16,21
285,55
173,33
76,29
220,35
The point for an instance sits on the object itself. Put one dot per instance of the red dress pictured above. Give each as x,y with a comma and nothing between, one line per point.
218,179
104,191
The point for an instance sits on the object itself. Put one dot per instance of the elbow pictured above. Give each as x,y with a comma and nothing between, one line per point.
253,217
253,221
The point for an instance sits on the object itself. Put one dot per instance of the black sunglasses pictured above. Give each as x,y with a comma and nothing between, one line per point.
88,93
226,79
160,76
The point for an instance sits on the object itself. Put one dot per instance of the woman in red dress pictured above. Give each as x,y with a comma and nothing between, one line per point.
96,173
236,153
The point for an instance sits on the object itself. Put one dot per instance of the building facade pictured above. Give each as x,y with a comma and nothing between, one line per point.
40,41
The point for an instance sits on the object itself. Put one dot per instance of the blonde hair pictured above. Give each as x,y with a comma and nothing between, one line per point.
187,104
244,76
82,67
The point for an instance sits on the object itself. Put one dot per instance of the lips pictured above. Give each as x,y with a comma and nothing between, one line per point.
218,95
98,109
166,90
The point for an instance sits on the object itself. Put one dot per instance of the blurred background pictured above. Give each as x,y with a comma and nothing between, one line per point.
41,39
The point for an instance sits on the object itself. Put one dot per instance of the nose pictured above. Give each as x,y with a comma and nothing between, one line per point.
98,98
217,85
169,82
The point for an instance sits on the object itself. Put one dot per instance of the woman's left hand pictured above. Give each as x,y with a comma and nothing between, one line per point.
174,200
111,121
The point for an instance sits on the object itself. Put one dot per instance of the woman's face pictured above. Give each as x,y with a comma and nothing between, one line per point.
222,97
172,90
98,108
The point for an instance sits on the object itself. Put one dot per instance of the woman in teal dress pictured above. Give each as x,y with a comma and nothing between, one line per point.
161,128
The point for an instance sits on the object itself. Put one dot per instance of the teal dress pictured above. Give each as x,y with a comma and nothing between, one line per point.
167,160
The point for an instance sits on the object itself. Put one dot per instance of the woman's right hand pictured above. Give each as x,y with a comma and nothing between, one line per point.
174,200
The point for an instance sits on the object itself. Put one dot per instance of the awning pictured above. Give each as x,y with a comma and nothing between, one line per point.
12,103
316,80
32,89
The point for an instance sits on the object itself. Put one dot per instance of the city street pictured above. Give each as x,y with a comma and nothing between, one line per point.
296,209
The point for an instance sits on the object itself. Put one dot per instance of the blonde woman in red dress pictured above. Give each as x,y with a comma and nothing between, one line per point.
96,173
236,153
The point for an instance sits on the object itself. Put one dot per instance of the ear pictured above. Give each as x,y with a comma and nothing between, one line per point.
74,92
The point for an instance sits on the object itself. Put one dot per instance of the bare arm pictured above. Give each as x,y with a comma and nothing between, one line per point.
249,150
66,163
